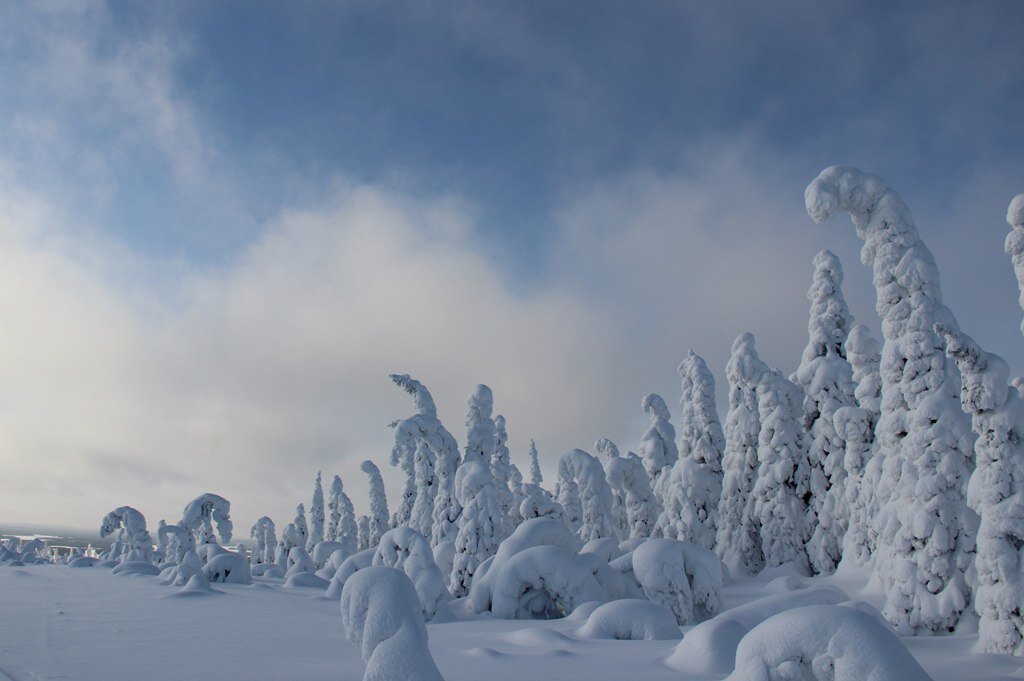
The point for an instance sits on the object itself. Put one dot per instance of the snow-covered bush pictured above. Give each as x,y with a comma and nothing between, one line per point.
204,510
381,615
826,378
299,561
407,550
824,643
350,566
629,481
542,582
316,515
781,486
609,451
264,536
630,620
709,649
926,531
737,541
228,567
377,522
139,543
342,526
996,491
683,577
581,476
323,552
694,486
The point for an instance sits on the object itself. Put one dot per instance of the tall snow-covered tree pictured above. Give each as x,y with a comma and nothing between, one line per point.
264,536
377,523
579,469
995,491
501,469
777,502
316,515
658,447
865,356
536,477
694,486
342,527
853,426
926,530
1014,245
363,530
620,518
826,378
422,517
480,524
738,542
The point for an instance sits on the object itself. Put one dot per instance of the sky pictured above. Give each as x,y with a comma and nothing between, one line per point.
222,225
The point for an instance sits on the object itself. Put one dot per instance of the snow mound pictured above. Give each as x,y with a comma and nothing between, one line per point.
83,562
583,611
196,586
136,567
683,577
408,550
306,580
606,549
824,643
631,620
710,647
543,582
228,567
381,614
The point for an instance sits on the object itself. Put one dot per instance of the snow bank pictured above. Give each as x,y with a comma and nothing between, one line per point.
630,620
824,643
709,648
380,612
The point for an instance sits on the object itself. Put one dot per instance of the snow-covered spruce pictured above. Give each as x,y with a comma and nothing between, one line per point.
264,536
995,491
296,532
139,545
480,524
380,612
926,531
363,532
537,502
777,501
826,378
629,481
1014,244
437,465
342,527
581,477
658,447
865,356
501,469
737,541
683,577
824,643
316,515
694,486
609,452
407,550
536,477
853,426
377,521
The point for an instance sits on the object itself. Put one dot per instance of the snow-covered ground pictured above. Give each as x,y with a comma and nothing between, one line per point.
62,623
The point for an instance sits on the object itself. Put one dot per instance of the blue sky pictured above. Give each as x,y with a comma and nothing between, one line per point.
225,222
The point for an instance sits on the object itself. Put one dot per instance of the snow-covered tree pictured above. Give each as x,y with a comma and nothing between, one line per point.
316,515
738,542
777,501
1014,245
501,469
995,491
926,531
264,536
342,527
437,463
363,529
377,524
138,543
620,519
865,356
536,477
203,511
694,486
628,479
580,471
658,447
853,426
826,378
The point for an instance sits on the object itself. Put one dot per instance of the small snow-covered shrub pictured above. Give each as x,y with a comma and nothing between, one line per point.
630,620
682,576
228,567
299,561
323,551
407,550
133,523
709,649
380,612
349,567
824,643
542,582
